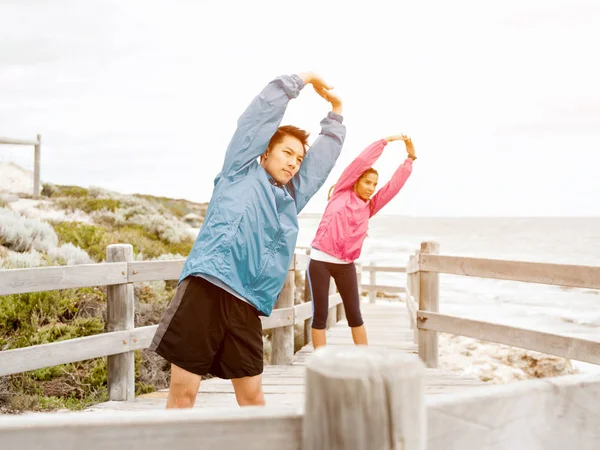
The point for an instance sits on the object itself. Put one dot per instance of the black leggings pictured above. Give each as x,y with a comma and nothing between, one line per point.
319,275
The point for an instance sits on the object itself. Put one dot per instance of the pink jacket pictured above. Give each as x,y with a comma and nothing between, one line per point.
344,224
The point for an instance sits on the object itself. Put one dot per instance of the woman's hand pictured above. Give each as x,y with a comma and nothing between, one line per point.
410,148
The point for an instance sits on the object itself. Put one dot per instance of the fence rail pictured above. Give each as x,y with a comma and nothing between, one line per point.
382,394
422,300
421,296
530,272
121,338
37,156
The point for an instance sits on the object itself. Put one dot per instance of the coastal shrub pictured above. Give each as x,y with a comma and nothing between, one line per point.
26,260
92,238
22,234
87,204
69,254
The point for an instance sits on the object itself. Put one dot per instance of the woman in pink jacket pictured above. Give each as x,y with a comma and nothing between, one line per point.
341,233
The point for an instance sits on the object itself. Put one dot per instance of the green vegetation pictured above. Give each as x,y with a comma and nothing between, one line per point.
152,225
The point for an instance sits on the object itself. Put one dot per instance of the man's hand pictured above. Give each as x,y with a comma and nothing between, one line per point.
410,148
315,80
331,97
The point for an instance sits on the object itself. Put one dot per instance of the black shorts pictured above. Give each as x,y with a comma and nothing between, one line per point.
206,330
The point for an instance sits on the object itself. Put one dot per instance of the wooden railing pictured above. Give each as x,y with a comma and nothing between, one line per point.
37,157
422,300
381,392
356,397
122,338
372,288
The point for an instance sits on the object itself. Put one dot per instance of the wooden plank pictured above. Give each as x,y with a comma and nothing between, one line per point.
73,350
530,272
252,428
413,265
21,281
383,288
334,300
551,413
301,261
372,282
331,311
279,318
394,269
282,339
227,388
154,270
37,163
429,290
551,344
415,287
10,141
303,311
412,306
120,368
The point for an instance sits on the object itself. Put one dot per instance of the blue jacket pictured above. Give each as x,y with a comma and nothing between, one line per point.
248,237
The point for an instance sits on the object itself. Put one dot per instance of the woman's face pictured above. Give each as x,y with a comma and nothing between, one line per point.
365,187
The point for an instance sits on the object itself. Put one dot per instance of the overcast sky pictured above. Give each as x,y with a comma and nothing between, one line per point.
502,99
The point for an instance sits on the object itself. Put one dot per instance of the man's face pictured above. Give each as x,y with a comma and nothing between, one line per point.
282,161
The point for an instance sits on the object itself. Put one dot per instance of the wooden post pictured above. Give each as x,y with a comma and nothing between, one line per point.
416,284
332,312
409,279
307,298
429,285
36,166
282,343
412,283
359,271
409,283
119,316
308,331
364,398
340,312
372,282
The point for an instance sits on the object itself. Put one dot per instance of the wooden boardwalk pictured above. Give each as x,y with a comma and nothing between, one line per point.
387,326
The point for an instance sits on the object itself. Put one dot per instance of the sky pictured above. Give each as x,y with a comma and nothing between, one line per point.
501,99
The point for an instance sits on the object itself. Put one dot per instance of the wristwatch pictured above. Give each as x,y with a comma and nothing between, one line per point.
412,157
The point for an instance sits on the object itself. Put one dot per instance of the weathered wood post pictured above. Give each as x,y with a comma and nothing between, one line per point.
372,282
282,341
332,311
37,154
119,316
429,286
413,280
307,298
359,271
364,398
409,287
340,311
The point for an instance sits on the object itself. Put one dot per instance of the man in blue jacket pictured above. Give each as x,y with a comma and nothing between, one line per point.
241,256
